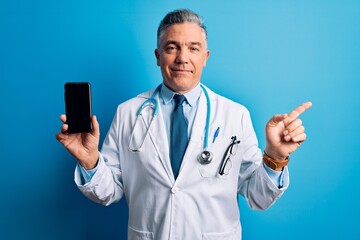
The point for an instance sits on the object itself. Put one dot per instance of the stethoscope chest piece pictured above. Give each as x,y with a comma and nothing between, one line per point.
205,157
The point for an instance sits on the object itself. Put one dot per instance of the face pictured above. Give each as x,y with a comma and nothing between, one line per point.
181,55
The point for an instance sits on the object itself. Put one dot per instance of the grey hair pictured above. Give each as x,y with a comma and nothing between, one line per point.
180,16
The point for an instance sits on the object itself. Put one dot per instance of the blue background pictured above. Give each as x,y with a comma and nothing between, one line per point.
268,55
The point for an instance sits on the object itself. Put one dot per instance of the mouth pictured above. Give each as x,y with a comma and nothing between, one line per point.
180,70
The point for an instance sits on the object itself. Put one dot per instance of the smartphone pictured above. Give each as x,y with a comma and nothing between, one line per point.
78,107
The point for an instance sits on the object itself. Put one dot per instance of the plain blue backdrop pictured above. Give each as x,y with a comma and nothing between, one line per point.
268,55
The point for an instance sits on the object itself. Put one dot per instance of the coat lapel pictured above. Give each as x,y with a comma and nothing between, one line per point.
158,137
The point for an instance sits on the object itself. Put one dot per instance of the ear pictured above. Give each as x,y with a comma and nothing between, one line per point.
157,55
207,55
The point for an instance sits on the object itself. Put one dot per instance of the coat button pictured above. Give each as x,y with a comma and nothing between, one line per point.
174,190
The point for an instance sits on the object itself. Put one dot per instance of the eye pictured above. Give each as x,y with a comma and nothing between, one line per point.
194,49
170,48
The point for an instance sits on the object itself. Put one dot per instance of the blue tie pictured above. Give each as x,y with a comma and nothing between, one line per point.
179,135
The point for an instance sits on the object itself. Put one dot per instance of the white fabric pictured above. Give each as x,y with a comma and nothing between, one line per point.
200,204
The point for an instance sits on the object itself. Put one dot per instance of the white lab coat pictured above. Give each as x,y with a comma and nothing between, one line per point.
200,204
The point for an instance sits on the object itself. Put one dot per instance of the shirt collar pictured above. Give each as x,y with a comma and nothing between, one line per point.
191,97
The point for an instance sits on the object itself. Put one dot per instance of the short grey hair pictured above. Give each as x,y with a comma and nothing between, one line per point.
180,16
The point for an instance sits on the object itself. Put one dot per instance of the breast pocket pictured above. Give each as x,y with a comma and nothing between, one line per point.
211,170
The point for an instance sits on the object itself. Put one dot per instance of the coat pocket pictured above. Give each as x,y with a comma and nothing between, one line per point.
211,170
220,236
139,235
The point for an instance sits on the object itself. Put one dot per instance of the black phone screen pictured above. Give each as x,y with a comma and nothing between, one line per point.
78,107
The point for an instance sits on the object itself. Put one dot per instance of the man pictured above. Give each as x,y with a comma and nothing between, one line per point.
175,194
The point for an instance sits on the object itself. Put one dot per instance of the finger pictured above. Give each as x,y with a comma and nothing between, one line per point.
299,138
292,126
299,110
276,119
63,118
61,137
96,128
64,128
292,135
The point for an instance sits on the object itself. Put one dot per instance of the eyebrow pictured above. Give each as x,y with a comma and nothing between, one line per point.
177,43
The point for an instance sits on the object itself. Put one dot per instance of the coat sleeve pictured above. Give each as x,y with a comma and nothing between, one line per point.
106,184
254,183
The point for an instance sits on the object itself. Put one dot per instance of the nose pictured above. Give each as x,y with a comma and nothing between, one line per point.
182,57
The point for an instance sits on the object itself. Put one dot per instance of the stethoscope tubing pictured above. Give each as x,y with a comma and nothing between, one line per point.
153,101
208,114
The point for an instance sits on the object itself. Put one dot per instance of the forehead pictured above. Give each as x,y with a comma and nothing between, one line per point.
184,32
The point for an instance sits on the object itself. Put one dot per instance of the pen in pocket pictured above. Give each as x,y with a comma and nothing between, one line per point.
216,134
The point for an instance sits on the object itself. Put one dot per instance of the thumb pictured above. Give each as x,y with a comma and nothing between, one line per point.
96,128
276,119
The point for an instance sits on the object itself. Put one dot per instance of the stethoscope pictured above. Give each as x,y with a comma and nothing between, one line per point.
205,157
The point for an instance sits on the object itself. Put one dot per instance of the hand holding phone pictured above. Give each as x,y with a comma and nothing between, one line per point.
80,131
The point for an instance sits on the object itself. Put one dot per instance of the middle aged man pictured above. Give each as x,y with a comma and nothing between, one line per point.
172,193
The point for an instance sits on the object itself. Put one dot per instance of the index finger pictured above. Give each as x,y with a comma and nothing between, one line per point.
63,118
299,110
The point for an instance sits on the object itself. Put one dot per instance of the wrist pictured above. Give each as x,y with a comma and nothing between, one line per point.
90,163
275,164
274,153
